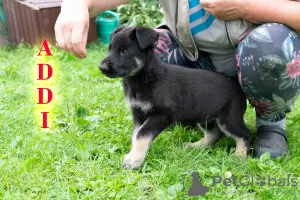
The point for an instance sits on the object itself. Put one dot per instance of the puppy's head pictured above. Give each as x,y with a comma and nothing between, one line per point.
128,51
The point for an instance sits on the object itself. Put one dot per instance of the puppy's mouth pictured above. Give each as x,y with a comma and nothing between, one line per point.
111,74
110,71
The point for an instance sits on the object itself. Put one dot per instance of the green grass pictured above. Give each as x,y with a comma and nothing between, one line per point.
81,156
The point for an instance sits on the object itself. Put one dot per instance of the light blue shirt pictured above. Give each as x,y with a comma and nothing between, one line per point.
200,20
210,35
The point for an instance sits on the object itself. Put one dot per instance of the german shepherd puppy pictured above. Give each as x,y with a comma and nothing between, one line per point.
161,94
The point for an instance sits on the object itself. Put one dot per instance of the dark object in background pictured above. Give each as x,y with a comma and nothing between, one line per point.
32,21
3,31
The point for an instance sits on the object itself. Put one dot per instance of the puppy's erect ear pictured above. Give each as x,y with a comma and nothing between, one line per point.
116,31
146,37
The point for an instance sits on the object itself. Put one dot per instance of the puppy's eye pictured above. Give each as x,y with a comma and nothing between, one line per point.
124,51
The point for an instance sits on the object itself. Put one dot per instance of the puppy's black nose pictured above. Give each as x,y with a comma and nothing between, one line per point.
104,67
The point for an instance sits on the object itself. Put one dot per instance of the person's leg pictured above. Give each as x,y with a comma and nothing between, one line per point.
168,50
269,73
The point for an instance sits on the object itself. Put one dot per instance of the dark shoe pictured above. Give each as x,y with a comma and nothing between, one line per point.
270,139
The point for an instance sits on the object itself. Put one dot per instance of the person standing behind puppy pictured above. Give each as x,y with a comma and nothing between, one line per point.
222,36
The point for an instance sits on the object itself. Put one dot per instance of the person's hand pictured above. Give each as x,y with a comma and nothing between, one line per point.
71,28
225,9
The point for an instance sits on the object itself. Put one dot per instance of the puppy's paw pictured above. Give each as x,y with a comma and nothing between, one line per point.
241,148
198,145
241,154
189,145
132,162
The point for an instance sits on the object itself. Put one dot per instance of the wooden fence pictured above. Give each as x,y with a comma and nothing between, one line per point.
32,21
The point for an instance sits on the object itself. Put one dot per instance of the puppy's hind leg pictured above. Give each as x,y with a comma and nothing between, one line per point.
211,132
235,128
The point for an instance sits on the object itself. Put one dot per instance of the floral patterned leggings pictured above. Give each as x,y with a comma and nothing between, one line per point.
268,66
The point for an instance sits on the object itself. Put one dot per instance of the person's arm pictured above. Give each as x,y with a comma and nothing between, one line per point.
72,25
258,11
282,11
97,6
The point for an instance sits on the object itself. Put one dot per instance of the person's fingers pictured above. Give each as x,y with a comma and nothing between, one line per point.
84,40
208,10
205,3
78,41
68,40
85,37
60,37
71,27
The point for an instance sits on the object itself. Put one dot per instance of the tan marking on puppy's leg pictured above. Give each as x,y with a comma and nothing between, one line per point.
201,144
210,137
137,154
241,147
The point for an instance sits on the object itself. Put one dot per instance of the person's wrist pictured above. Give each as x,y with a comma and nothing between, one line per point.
94,9
89,4
66,3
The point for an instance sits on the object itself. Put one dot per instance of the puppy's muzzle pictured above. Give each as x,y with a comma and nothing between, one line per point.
105,67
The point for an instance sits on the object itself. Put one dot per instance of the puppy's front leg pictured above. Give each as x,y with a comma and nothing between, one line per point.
142,138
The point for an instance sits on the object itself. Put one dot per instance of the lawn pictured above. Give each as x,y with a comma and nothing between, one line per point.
80,157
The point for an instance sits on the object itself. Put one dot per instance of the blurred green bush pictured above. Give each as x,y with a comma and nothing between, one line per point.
140,13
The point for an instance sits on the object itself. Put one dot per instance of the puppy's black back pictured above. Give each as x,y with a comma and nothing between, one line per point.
186,95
